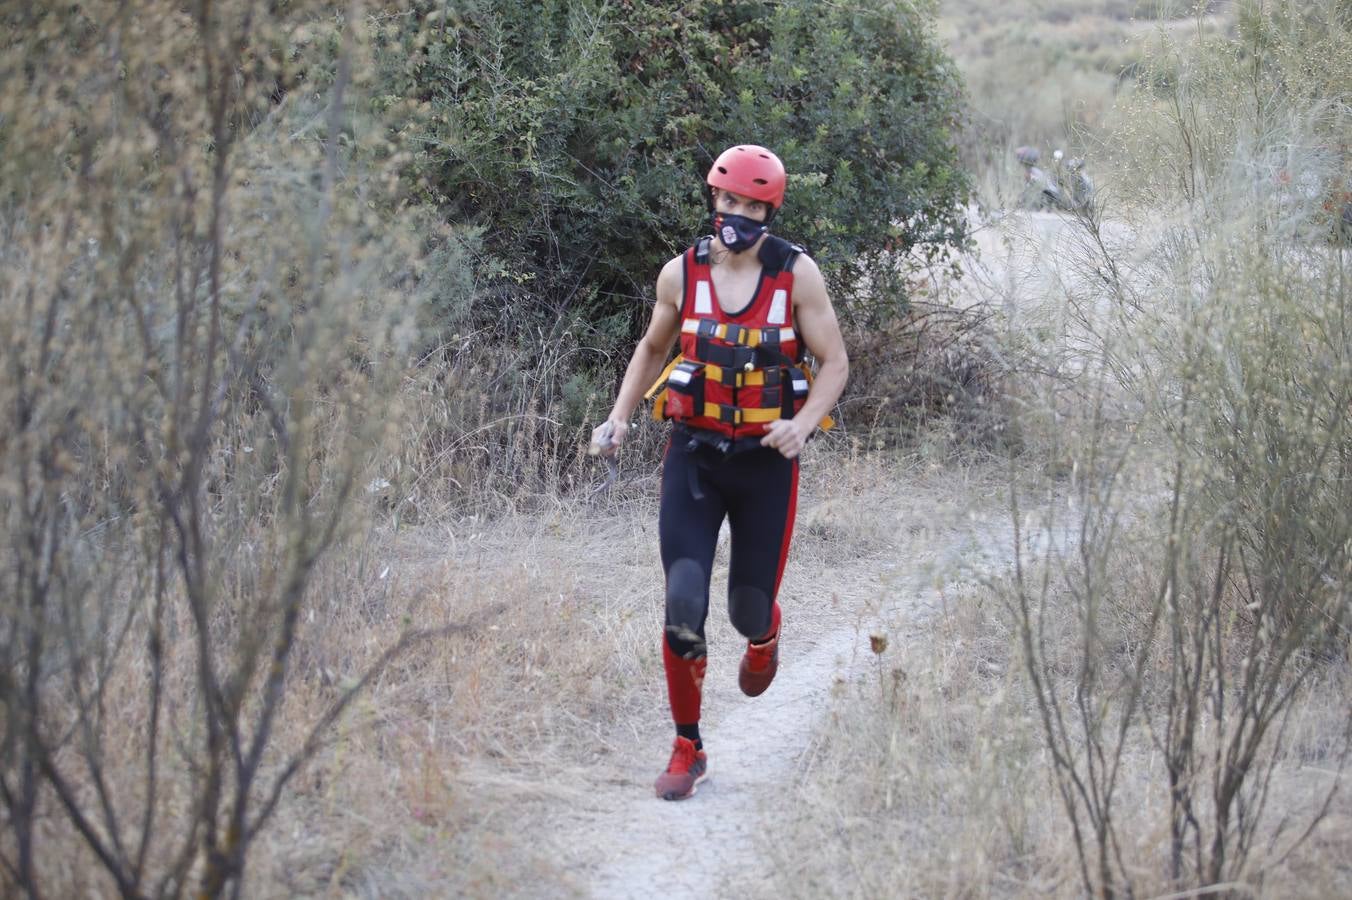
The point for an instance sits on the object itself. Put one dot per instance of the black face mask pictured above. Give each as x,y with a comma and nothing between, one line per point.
738,233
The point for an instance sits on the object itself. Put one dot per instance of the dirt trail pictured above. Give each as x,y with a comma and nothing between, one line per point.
626,843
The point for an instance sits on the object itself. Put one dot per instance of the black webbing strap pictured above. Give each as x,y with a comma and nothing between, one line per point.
778,255
702,250
713,442
735,357
768,355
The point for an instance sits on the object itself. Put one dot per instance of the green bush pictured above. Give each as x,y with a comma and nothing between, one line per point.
576,136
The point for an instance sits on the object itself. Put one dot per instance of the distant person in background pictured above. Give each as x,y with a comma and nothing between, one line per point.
1034,179
1067,187
745,305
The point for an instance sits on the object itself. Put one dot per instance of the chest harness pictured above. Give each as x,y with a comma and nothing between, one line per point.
736,374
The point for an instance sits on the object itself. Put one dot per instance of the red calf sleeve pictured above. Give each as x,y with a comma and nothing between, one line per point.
685,684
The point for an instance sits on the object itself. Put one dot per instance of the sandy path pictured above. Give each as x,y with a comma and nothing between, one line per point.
621,841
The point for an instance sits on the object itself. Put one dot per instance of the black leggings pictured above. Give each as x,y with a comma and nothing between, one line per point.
757,490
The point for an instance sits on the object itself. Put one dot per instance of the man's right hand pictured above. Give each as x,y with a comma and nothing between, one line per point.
607,437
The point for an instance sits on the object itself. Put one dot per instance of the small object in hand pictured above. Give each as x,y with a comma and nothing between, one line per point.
603,445
603,440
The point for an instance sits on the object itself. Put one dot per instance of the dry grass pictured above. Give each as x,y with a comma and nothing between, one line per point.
938,368
1050,72
928,779
446,779
932,779
430,786
934,776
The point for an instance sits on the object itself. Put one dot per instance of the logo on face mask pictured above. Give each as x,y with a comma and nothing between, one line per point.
738,233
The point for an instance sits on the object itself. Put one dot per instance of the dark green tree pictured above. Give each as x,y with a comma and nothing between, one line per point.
576,135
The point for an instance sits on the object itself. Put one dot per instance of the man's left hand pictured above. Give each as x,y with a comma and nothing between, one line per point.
787,436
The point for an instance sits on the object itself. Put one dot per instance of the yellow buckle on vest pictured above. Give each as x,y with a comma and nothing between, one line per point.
754,378
740,415
728,415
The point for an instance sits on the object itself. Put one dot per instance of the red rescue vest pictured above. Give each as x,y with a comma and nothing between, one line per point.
736,373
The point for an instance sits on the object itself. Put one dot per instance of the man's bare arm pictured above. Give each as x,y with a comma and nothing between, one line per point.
819,330
650,355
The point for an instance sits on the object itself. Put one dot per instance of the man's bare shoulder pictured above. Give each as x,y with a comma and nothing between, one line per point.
808,283
670,281
806,265
673,267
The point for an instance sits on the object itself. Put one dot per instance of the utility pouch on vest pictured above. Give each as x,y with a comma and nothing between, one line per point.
773,386
685,390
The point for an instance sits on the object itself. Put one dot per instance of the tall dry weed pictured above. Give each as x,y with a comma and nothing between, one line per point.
1156,705
1226,327
206,321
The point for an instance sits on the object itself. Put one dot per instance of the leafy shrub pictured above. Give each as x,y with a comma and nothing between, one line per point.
577,136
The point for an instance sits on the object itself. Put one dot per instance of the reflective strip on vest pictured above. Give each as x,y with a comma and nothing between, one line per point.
704,301
779,308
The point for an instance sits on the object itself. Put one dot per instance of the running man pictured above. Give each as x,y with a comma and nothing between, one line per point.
745,305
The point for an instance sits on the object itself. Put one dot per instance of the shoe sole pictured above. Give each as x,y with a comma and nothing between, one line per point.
754,692
693,788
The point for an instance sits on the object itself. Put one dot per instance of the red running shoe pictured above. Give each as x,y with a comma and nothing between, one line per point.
759,663
687,768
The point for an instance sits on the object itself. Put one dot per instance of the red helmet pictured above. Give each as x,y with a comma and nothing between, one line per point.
751,171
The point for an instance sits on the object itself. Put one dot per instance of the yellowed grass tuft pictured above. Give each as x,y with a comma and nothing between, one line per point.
931,778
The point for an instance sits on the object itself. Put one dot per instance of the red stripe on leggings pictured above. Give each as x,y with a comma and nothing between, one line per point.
788,529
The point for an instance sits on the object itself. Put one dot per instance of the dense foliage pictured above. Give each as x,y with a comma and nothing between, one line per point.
576,135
